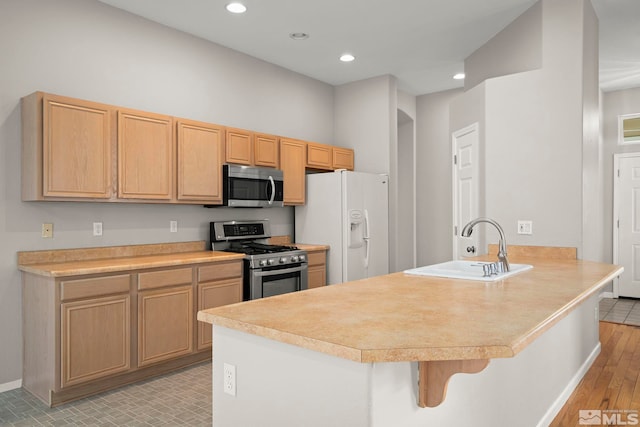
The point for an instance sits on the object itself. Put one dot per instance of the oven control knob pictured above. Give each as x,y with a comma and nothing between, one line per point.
283,260
301,258
263,262
271,261
294,258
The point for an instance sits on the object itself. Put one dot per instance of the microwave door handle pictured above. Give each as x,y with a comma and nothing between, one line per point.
273,190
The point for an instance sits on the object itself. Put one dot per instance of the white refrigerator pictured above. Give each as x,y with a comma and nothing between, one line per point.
349,212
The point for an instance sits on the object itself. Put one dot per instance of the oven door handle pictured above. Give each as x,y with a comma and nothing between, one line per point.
263,273
273,190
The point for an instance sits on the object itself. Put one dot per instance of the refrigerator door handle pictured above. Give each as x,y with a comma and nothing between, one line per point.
366,238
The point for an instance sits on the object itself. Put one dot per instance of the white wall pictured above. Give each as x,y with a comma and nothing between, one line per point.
433,177
85,49
534,129
406,182
517,48
614,104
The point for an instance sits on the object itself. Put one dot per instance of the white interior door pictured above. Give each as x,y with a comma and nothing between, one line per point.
465,189
627,223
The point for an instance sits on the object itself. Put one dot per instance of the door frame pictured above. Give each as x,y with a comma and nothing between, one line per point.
454,180
616,208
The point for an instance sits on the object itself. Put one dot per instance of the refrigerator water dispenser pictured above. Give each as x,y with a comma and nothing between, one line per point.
356,234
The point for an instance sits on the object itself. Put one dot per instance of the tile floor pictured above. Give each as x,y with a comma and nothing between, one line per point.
621,310
181,398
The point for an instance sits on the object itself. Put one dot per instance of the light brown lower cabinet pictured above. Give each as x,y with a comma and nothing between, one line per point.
165,324
87,334
317,268
95,338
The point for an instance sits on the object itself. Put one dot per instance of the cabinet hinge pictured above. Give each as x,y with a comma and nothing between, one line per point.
455,230
618,173
455,159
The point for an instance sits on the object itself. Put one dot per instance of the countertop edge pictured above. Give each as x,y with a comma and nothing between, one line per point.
113,265
521,344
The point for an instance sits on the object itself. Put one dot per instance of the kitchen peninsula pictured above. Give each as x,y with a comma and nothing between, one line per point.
349,354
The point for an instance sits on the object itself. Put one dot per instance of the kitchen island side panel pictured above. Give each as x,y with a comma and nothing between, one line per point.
280,384
284,385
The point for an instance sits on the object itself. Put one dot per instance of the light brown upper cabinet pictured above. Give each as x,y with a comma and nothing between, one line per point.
67,146
239,146
146,154
265,150
342,158
319,156
200,159
293,158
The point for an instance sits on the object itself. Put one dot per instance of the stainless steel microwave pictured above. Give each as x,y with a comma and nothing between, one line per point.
252,187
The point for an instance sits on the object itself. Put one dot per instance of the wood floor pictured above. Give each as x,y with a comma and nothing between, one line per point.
612,384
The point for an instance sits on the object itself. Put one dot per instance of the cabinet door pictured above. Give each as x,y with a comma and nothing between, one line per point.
319,156
317,271
293,158
265,150
342,158
200,159
165,324
238,146
94,338
215,294
145,156
76,149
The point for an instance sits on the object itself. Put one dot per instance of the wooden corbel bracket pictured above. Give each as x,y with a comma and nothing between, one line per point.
434,375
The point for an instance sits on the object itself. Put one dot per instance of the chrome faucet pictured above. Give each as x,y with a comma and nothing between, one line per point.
502,245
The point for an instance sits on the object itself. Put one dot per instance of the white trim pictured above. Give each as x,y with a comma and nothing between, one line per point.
606,295
10,385
555,408
616,200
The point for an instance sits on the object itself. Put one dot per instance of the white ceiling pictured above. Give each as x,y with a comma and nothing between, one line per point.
421,42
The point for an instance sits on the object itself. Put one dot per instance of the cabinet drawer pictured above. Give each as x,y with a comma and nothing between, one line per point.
218,271
94,286
316,258
160,279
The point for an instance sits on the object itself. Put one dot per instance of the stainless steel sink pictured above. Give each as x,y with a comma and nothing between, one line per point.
468,270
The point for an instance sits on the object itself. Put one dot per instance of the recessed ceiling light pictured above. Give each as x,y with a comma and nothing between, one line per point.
459,76
299,36
236,7
347,57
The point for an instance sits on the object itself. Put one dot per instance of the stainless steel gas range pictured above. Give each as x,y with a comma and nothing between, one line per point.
268,269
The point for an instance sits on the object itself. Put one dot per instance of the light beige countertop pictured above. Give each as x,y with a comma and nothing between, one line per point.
399,317
310,248
76,262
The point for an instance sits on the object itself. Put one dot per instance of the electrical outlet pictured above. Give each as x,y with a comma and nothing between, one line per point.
47,230
525,227
229,379
173,226
97,229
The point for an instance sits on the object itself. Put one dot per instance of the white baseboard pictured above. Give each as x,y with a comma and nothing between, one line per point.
566,393
606,295
10,385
